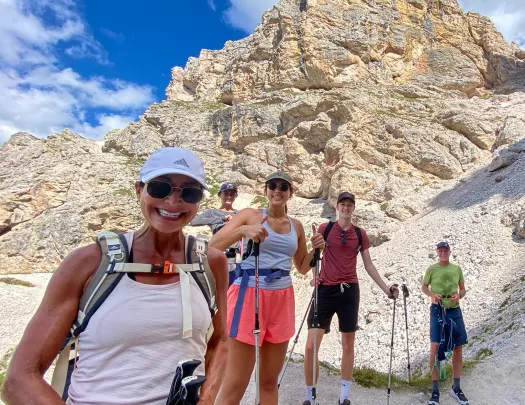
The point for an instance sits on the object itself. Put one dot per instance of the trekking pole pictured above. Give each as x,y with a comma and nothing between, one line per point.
294,343
256,329
391,348
317,256
405,296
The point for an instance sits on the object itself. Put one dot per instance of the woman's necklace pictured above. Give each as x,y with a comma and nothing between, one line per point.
277,219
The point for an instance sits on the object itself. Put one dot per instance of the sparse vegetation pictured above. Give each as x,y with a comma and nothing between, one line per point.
15,281
4,362
214,185
384,206
125,192
260,201
370,378
131,161
504,305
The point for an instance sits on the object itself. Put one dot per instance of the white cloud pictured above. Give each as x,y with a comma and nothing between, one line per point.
246,14
508,15
106,124
212,5
115,36
40,96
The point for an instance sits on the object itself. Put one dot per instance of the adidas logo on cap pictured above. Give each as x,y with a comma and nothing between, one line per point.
181,162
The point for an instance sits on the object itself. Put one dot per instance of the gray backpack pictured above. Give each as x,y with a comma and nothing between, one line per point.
113,266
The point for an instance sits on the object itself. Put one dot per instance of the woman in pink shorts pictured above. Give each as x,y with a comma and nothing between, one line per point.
282,241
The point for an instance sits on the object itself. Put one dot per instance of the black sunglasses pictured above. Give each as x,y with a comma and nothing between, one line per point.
283,187
343,237
162,189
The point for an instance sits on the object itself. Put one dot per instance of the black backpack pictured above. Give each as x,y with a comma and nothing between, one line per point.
357,231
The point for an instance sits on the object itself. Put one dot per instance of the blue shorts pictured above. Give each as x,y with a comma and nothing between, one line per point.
454,314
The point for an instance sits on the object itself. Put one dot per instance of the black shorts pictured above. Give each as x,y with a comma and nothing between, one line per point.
341,299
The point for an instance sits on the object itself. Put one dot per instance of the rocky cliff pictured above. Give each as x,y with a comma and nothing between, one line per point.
396,101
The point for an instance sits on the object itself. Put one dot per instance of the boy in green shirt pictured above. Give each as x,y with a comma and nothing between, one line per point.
447,287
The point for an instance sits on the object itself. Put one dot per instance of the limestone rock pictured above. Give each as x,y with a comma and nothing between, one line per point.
502,159
513,131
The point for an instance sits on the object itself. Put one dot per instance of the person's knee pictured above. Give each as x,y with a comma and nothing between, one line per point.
433,353
309,348
268,383
347,344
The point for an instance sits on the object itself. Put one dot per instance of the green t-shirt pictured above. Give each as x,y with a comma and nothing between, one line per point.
444,280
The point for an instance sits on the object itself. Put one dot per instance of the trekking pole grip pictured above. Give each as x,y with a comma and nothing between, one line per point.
391,290
317,255
256,248
404,287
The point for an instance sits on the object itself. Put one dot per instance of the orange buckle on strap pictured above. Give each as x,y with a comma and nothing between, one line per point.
167,268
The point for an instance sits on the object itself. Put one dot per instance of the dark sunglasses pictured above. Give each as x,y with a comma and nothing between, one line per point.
343,237
283,187
162,189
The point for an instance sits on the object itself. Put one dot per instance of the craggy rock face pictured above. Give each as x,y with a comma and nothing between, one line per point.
389,100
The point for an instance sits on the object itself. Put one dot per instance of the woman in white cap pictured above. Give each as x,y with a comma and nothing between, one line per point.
282,242
129,352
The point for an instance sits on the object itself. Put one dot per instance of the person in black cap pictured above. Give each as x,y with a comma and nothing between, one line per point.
338,292
216,218
447,287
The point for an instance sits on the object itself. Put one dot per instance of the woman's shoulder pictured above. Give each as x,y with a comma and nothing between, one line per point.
250,212
298,225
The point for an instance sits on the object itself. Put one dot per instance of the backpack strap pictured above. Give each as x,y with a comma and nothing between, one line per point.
327,232
357,231
359,238
114,249
196,252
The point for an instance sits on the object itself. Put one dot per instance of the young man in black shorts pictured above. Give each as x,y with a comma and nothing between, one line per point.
339,292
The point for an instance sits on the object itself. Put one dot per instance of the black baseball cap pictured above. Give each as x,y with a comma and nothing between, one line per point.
443,245
345,196
227,186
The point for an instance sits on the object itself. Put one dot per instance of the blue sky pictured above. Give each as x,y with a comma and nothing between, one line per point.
92,67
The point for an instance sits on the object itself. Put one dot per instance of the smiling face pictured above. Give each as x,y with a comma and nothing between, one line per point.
443,255
277,196
228,197
170,214
345,208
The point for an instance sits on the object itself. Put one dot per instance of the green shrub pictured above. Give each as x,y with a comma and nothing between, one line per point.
15,281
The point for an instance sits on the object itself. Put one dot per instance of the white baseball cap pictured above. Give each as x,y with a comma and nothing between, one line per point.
173,161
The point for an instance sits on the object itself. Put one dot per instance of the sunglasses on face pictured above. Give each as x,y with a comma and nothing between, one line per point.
283,187
343,237
162,189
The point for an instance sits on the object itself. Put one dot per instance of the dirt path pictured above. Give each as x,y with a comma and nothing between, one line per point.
497,380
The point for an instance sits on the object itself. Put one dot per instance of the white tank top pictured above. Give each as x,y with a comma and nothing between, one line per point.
130,349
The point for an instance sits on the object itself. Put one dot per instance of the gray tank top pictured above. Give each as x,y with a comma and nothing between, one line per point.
276,252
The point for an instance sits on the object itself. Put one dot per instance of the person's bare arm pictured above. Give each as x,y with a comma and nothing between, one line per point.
435,297
217,350
302,257
246,224
45,333
372,272
460,294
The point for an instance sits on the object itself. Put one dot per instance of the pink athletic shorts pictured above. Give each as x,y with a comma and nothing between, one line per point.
276,315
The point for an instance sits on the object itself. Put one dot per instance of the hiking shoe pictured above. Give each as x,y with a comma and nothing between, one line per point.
307,402
458,395
434,399
345,402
